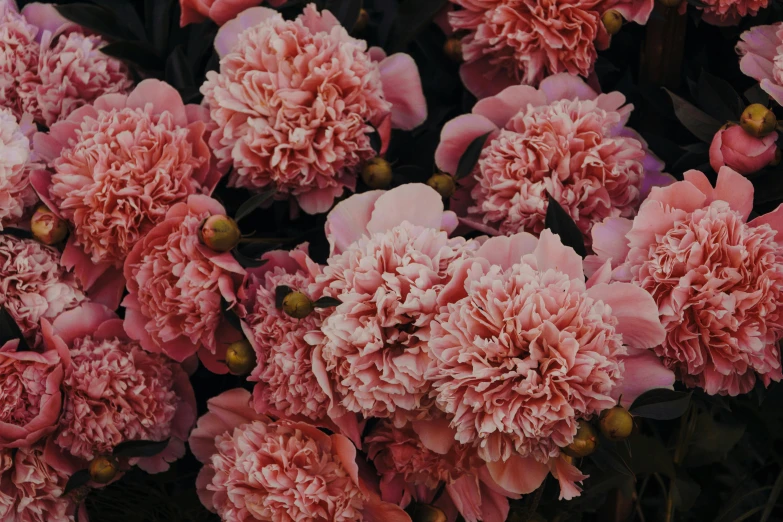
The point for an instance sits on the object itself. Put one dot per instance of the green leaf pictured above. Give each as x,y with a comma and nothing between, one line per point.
77,480
649,455
123,10
701,124
712,440
139,448
412,17
685,492
178,71
327,302
346,11
718,97
757,95
606,457
17,233
470,157
253,203
96,19
140,54
246,261
375,140
660,404
230,316
280,293
9,331
559,222
773,498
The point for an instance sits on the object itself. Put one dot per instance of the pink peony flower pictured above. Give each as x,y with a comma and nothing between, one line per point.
219,11
563,140
761,51
33,284
19,52
118,166
114,391
16,193
717,280
738,150
31,489
523,349
256,469
176,285
727,12
391,255
30,396
294,102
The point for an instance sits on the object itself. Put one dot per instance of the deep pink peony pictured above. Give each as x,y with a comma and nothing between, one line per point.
176,285
717,279
391,255
114,391
294,102
738,150
117,167
219,11
33,284
727,12
16,193
761,49
256,469
523,349
563,139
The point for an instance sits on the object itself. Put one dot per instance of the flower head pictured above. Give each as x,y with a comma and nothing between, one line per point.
727,12
761,51
18,54
16,193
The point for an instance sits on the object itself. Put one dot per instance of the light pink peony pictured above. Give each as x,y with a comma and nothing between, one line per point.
726,12
738,150
30,396
294,102
563,139
114,391
391,255
219,11
761,49
176,285
523,349
117,167
16,193
718,280
256,469
33,284
19,52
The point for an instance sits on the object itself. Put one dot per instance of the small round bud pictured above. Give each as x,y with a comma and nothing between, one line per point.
47,227
240,358
776,160
585,441
377,173
671,3
758,121
443,184
426,513
361,21
103,469
453,49
616,423
297,305
220,233
613,21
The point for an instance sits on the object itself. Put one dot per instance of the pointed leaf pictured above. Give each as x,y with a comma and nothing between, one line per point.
139,448
18,233
9,330
661,404
142,55
96,19
253,203
247,262
346,11
280,293
718,97
701,124
77,480
230,316
412,17
327,302
375,141
559,222
470,157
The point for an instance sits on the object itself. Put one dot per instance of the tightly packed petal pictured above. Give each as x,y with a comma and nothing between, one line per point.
19,53
738,150
761,49
727,12
16,193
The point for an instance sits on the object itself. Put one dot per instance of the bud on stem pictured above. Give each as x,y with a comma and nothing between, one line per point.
220,233
240,358
377,173
758,121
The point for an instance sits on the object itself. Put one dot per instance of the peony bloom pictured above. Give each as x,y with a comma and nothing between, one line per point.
117,166
219,11
761,49
19,52
391,255
727,12
30,397
114,391
563,140
33,284
256,469
717,279
738,150
523,349
16,193
176,285
295,102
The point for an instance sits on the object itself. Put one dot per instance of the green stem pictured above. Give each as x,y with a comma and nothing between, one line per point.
687,427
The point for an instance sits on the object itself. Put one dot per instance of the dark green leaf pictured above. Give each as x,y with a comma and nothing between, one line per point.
77,480
139,448
327,302
253,203
247,262
96,19
280,293
559,222
470,157
230,316
757,95
718,97
649,455
123,10
9,330
606,457
17,233
712,440
661,404
701,125
412,17
346,11
142,55
685,492
178,71
159,22
773,498
375,141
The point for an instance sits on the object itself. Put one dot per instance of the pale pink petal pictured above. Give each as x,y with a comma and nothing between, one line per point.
551,253
565,86
161,97
736,190
506,104
402,87
506,251
456,136
227,35
348,221
636,313
415,203
644,371
435,434
520,475
774,219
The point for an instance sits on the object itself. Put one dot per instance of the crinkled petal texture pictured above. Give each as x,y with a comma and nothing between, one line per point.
16,193
717,280
761,49
33,284
176,286
19,52
295,103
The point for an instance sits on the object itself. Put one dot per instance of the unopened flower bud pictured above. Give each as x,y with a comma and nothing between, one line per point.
297,305
426,513
443,185
377,173
776,160
616,423
758,121
103,469
453,49
220,233
240,358
47,227
361,21
585,441
613,21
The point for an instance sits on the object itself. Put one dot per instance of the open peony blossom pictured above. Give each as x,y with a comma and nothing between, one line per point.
114,391
726,12
176,285
295,102
761,49
19,52
219,11
717,279
16,193
523,349
563,140
738,150
391,255
256,469
33,284
117,166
